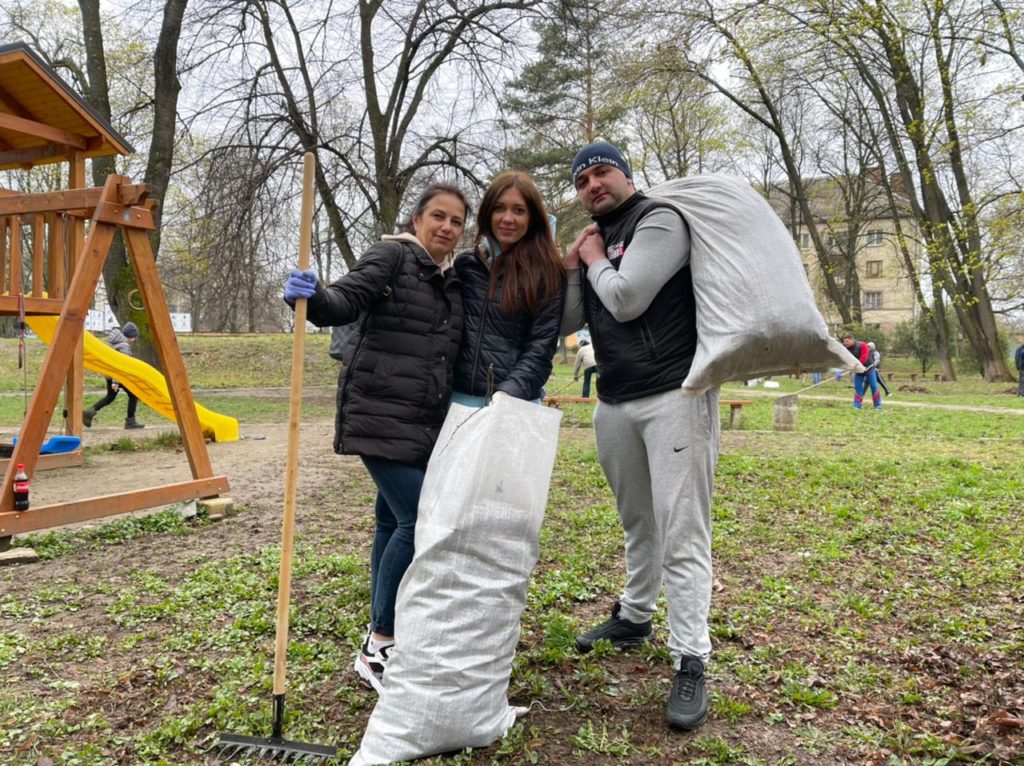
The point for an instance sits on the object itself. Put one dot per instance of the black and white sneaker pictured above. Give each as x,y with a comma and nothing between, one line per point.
688,701
622,633
371,665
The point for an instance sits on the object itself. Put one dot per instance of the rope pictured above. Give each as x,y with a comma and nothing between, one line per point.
824,379
22,352
567,385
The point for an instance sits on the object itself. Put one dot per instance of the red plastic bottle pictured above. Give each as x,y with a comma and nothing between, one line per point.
20,488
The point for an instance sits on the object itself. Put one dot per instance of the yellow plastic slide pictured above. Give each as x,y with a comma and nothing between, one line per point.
144,381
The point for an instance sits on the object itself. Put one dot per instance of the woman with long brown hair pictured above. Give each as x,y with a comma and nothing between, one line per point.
513,287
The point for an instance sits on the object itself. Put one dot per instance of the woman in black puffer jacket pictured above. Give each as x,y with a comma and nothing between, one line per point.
395,382
513,287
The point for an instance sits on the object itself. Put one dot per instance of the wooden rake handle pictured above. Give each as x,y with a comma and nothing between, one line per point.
291,471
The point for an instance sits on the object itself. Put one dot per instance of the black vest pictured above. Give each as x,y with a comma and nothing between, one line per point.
653,352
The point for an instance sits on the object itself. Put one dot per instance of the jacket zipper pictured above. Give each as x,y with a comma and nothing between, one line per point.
648,338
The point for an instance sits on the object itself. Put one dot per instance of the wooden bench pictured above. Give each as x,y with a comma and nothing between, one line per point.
735,410
735,405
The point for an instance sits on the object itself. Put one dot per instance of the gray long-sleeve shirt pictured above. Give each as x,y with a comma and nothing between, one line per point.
660,247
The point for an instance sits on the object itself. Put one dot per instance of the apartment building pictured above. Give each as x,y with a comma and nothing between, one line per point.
866,238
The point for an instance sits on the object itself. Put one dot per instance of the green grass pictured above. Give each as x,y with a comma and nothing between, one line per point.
216,365
211,361
866,609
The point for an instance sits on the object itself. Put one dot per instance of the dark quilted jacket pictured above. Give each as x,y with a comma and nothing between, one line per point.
517,347
396,375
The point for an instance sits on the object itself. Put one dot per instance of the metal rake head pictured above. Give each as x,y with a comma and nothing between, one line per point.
271,750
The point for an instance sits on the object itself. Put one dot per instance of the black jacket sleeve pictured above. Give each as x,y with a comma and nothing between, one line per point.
533,367
342,301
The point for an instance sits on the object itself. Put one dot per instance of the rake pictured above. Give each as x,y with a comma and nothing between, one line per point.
276,747
560,390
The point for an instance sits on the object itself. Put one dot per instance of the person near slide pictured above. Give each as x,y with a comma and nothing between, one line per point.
120,340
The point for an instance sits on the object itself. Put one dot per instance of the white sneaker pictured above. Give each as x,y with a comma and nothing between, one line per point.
371,665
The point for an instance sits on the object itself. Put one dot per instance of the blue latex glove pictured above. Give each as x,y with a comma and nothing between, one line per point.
300,284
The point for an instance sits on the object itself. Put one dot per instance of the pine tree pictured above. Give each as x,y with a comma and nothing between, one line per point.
564,99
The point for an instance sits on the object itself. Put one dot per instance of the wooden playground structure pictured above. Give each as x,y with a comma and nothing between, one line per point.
53,246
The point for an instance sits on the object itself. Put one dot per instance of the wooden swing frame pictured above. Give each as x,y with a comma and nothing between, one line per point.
118,204
66,266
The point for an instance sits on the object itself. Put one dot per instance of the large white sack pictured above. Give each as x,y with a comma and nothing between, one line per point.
459,604
756,314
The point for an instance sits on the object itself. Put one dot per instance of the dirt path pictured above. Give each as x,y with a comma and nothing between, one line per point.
254,465
889,401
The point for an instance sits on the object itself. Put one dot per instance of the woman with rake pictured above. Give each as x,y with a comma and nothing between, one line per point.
395,381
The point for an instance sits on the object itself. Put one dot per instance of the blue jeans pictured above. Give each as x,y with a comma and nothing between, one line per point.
587,374
398,498
468,400
869,379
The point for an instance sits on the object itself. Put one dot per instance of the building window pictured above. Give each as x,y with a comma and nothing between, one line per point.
874,269
804,240
875,238
838,240
872,301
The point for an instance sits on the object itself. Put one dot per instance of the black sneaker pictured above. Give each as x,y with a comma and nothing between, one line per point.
621,632
688,702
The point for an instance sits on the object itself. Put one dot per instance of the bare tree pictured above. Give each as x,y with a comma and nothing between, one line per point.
221,252
763,92
371,93
680,124
915,67
118,277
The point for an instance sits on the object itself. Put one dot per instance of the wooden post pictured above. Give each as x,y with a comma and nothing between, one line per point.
166,341
37,256
55,256
75,384
3,257
66,341
17,284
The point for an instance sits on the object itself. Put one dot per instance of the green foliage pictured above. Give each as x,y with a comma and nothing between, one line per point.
866,333
915,338
50,545
593,739
865,562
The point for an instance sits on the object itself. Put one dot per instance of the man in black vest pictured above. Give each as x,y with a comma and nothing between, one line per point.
629,280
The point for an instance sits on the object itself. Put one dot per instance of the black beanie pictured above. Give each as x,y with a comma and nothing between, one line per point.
599,154
130,330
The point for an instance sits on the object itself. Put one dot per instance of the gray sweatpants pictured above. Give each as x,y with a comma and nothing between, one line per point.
659,455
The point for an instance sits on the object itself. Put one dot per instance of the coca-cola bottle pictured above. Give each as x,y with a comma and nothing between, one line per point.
20,488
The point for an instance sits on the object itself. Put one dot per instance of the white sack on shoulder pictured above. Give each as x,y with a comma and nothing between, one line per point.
756,314
459,604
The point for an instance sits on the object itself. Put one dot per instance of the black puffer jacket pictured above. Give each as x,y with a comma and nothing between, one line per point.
396,375
517,348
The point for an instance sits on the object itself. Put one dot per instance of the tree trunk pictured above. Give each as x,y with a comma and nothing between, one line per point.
942,346
166,87
118,279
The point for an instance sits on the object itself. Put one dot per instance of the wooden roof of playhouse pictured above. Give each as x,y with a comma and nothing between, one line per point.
42,119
